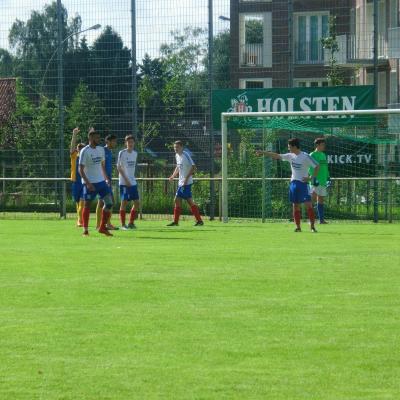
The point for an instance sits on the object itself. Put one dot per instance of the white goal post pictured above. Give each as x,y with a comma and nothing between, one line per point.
226,116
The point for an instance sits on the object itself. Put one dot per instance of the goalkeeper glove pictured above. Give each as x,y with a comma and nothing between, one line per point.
314,181
328,183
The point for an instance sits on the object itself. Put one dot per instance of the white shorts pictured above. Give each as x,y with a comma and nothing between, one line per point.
321,191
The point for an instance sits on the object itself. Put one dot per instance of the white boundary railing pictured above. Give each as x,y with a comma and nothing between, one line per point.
63,183
224,132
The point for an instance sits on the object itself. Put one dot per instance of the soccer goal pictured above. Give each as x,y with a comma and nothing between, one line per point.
363,156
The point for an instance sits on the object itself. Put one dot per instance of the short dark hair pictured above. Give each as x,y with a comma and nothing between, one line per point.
93,132
110,137
319,140
294,142
129,137
81,146
179,143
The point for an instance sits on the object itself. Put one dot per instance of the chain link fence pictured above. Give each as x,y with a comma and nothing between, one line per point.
149,68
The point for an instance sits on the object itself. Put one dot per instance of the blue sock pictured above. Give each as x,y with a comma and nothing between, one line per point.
320,208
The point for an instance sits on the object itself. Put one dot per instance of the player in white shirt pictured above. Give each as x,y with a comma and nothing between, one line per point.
185,168
95,181
126,165
300,163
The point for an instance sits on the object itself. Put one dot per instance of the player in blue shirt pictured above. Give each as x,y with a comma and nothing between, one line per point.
111,143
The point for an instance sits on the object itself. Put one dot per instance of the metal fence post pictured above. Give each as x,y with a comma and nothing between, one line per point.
60,86
134,63
376,49
210,82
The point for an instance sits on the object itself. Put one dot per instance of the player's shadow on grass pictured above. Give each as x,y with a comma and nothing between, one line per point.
183,230
354,233
165,238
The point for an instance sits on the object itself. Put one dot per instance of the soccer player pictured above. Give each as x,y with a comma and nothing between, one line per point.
95,182
126,165
298,191
185,168
320,192
111,143
76,180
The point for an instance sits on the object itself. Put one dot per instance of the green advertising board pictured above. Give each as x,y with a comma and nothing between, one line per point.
292,99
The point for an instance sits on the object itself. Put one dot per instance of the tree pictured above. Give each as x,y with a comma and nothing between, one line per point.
36,40
77,69
85,110
146,95
110,72
6,64
222,56
330,43
184,93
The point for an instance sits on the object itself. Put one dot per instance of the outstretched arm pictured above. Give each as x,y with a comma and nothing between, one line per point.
269,154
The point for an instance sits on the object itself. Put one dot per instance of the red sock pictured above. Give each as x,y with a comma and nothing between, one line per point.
177,214
297,217
196,212
132,216
122,217
85,217
311,216
105,215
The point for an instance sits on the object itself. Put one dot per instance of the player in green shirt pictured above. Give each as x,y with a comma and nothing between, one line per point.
320,192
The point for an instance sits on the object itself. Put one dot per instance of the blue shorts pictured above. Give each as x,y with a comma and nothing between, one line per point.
184,192
101,189
128,193
299,192
77,194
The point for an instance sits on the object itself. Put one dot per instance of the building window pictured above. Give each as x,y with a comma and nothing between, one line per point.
309,30
255,83
311,82
255,40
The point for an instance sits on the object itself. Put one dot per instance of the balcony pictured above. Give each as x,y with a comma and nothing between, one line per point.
252,55
355,49
352,50
394,43
309,53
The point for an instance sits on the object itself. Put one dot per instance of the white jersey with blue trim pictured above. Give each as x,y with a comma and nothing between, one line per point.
127,160
300,164
91,158
184,163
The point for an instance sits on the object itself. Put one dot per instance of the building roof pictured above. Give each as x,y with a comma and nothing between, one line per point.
7,98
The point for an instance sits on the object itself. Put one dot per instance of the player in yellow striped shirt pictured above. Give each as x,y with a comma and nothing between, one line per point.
75,176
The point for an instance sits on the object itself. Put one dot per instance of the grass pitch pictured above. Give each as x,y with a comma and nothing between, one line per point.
237,311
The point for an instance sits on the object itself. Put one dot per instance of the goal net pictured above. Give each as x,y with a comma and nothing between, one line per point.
363,154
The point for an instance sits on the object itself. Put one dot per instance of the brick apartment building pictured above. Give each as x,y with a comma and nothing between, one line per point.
277,43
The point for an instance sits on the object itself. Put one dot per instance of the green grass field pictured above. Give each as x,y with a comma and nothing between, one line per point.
237,311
